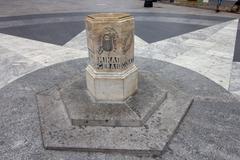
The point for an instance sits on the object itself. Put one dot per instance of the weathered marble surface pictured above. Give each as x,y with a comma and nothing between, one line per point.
20,56
43,53
111,74
110,39
112,86
13,65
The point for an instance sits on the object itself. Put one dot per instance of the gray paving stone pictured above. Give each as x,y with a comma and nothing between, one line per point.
209,131
196,138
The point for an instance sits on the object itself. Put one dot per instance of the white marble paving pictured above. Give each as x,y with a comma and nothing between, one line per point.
44,53
78,42
198,43
167,51
214,67
220,54
20,56
12,65
203,34
210,54
214,57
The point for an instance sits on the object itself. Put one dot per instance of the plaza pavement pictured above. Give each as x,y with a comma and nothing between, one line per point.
37,34
200,40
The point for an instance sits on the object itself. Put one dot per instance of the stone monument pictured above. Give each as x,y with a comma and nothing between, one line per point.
111,74
83,113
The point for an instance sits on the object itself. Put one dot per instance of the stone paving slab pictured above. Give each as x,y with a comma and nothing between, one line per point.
210,131
150,137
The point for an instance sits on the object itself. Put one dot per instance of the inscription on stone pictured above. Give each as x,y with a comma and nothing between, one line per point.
113,62
110,44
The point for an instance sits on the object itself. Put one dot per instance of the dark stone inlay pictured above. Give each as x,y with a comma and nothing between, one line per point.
55,33
61,32
188,16
156,31
236,57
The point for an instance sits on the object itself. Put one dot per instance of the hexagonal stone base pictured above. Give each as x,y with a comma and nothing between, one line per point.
82,110
158,120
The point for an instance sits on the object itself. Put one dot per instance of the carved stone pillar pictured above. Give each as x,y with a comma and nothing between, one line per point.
111,74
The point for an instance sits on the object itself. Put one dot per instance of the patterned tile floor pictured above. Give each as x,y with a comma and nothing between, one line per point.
203,42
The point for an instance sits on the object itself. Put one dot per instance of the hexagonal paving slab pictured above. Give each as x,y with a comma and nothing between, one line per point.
143,124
